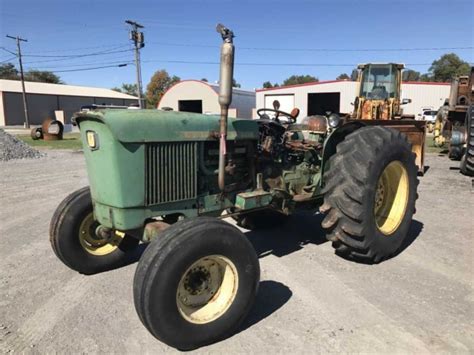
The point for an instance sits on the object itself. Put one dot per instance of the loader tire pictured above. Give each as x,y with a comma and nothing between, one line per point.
467,162
369,194
73,239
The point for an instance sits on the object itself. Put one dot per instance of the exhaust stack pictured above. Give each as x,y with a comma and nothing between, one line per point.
225,96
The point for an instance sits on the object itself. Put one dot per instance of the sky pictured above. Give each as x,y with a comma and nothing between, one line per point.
274,39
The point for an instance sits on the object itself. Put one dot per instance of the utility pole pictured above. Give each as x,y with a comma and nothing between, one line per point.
139,40
25,102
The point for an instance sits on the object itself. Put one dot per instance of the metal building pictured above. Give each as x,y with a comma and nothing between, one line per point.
202,97
46,100
337,96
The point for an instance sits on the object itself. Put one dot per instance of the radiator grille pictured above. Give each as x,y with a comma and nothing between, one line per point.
171,172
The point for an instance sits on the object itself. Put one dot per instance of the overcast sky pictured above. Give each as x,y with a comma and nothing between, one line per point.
334,34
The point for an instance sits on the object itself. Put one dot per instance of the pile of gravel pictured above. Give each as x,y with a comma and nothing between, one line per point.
13,148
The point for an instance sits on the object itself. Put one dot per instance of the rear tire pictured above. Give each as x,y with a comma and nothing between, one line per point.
467,162
195,284
73,239
370,193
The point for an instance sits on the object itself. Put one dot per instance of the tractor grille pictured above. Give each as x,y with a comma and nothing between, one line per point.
171,172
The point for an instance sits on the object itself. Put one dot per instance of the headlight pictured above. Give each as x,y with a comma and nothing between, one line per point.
334,120
92,140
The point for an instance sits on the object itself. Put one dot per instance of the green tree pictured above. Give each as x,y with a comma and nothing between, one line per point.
205,80
447,67
410,75
159,83
130,89
267,85
300,79
235,84
9,72
343,76
426,77
42,76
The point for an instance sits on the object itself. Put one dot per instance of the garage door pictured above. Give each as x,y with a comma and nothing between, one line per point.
287,102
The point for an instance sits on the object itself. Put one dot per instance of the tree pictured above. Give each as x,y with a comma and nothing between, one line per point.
235,84
205,80
159,83
300,79
411,75
426,77
130,89
343,76
267,85
42,76
9,72
354,74
447,67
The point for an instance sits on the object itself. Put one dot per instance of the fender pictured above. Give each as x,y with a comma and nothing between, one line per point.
336,137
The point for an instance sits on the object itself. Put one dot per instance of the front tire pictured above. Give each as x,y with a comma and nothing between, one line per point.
73,238
195,284
370,193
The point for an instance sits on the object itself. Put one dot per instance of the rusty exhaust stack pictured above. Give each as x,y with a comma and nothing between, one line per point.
225,95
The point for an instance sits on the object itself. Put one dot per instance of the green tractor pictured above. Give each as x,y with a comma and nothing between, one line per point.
169,179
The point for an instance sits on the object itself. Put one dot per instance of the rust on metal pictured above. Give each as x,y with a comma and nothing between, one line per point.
153,229
317,124
52,129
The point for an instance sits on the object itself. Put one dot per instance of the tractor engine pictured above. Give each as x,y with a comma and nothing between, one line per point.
289,156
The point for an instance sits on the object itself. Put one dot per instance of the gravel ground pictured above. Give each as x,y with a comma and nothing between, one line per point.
13,148
310,300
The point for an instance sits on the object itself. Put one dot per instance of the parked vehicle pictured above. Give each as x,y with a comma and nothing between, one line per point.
169,178
429,116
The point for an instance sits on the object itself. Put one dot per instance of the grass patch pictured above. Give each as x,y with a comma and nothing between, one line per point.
431,148
70,141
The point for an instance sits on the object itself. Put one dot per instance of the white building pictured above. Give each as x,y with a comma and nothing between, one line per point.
337,96
47,100
202,97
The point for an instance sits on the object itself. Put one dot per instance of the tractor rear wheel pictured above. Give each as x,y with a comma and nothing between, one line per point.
370,193
75,242
195,284
467,162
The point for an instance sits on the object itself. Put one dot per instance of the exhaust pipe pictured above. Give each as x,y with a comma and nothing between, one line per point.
225,96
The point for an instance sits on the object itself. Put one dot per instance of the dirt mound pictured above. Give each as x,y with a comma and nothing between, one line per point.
13,148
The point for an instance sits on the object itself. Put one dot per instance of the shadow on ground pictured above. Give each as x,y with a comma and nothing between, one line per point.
272,295
301,228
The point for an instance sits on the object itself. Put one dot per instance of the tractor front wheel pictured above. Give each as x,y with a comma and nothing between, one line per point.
195,284
75,242
370,193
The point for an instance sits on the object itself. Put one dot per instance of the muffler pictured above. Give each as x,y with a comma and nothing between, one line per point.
225,96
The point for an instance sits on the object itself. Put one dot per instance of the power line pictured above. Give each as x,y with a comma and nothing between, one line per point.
269,64
93,68
7,60
76,57
116,45
123,60
113,50
320,49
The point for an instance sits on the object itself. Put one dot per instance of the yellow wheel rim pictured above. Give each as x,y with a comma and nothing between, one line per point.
207,289
391,197
94,244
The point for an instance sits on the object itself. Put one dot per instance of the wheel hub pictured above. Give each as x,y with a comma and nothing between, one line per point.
391,197
207,289
96,243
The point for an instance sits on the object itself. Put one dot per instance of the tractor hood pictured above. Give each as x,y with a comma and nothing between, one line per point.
135,126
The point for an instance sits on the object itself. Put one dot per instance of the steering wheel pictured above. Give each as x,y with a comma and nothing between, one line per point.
291,117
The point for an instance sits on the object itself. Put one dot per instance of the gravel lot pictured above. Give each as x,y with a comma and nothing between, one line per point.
310,300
